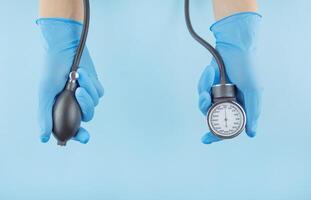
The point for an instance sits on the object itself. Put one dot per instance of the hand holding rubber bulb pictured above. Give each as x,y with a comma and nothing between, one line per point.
62,37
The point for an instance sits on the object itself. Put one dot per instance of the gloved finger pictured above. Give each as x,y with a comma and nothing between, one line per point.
209,138
205,102
98,86
88,65
207,80
252,103
86,104
82,136
86,83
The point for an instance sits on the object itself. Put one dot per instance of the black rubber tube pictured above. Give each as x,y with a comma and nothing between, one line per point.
85,30
210,48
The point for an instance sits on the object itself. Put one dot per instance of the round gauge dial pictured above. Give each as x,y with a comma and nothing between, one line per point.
226,119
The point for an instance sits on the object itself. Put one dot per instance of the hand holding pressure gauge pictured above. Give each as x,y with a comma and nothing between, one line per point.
226,117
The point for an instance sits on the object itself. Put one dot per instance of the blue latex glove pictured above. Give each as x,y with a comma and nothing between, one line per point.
236,41
61,38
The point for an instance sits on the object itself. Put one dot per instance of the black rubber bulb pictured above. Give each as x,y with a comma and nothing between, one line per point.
66,112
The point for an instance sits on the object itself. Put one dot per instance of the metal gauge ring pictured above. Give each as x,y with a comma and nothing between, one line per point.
226,119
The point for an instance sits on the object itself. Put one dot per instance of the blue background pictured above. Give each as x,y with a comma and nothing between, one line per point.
146,134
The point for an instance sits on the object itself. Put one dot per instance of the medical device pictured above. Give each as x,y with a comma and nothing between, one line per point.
66,110
226,118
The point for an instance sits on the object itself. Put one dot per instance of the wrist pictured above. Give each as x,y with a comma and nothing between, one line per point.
72,9
224,8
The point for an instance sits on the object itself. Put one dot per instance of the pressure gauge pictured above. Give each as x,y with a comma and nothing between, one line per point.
226,119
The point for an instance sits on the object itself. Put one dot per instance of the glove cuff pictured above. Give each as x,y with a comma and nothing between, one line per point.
41,21
239,30
60,33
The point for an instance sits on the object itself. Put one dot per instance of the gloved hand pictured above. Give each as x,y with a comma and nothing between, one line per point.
236,37
61,39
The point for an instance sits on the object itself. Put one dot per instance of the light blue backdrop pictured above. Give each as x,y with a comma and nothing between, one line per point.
146,134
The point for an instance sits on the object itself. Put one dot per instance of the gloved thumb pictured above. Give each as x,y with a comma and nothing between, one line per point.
45,119
46,101
210,138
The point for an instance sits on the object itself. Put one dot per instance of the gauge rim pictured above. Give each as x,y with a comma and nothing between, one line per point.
223,136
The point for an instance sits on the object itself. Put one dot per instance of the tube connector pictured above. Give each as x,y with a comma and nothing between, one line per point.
73,76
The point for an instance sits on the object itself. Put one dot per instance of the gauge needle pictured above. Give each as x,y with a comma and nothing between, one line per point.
226,119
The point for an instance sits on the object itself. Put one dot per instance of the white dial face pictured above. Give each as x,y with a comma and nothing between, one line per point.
226,119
